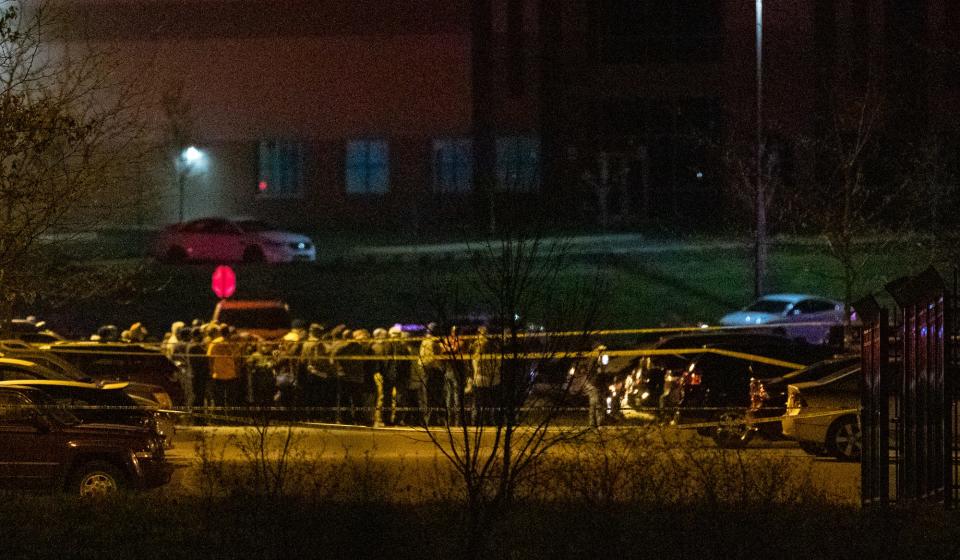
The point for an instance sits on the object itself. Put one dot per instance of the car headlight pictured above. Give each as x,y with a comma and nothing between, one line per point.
154,449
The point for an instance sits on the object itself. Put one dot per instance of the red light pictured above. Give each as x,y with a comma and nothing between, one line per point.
691,378
223,282
262,186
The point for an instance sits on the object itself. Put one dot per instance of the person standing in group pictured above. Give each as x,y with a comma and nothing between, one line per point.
311,354
387,346
486,379
172,339
199,366
431,364
592,372
288,366
453,376
416,386
352,372
260,368
224,357
180,355
399,376
367,365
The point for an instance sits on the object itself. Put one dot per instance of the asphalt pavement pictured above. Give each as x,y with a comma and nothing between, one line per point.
414,450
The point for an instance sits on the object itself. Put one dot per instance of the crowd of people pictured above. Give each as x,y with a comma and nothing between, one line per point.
390,376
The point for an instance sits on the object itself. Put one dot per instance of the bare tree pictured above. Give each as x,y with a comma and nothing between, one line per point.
845,206
510,383
71,145
758,194
178,137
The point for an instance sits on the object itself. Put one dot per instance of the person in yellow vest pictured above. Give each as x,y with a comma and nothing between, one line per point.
224,354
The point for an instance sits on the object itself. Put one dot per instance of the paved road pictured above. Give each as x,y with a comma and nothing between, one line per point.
413,450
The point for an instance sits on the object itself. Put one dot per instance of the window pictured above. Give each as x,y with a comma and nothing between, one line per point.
14,410
452,165
518,163
280,169
368,167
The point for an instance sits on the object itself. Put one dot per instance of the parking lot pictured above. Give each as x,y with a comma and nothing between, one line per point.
410,456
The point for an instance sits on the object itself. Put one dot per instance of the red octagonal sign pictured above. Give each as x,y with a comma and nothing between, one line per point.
224,281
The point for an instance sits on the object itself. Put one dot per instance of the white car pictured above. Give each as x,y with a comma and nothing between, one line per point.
222,240
801,316
823,416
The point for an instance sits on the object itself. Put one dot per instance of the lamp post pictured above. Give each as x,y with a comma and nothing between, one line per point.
760,241
187,160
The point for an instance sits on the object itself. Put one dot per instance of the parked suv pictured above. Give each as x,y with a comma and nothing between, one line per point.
716,385
655,377
123,361
44,446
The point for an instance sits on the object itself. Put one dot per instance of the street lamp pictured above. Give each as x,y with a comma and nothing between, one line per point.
760,258
189,159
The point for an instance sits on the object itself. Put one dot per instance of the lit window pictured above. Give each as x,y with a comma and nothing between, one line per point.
452,165
518,163
368,167
280,169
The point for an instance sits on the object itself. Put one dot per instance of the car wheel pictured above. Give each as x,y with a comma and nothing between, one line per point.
732,432
844,439
176,254
96,479
253,254
811,448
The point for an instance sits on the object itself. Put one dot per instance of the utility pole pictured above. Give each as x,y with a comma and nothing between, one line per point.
760,232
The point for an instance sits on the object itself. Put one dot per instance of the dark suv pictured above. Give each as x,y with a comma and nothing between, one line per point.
123,361
715,387
43,446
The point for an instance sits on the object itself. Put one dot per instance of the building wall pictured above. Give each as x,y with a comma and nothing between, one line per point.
323,72
315,72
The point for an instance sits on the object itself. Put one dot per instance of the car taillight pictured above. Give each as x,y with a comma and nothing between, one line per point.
794,400
690,379
756,394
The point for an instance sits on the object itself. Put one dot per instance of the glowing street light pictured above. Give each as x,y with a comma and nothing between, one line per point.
192,155
188,160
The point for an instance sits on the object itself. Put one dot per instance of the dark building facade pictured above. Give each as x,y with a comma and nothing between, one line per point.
428,115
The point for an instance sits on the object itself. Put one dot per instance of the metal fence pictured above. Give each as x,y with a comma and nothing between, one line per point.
910,418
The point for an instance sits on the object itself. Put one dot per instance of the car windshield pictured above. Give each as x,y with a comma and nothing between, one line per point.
839,375
256,318
255,225
820,370
768,306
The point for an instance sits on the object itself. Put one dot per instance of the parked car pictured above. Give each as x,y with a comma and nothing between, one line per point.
823,416
44,446
267,319
29,331
223,240
43,364
715,386
109,404
655,377
768,396
123,361
796,315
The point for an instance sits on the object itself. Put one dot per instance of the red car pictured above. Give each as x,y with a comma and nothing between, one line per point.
222,240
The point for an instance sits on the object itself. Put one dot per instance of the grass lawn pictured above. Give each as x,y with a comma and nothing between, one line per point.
676,286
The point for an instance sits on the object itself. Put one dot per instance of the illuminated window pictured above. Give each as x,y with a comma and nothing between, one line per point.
280,169
518,163
452,165
368,167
